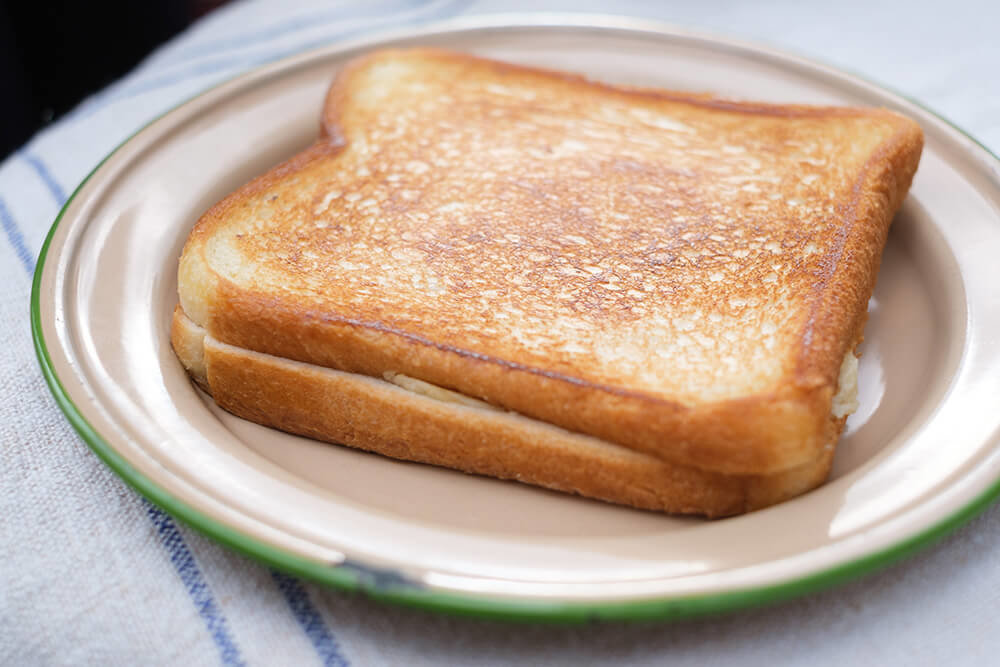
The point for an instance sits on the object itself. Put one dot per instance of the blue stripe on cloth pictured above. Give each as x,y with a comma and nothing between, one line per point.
16,239
184,562
239,63
310,619
43,173
170,536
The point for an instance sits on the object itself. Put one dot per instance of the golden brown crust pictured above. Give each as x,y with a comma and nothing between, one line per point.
339,93
377,416
782,427
761,433
840,307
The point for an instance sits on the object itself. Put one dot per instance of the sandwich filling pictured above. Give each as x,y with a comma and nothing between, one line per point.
845,401
429,390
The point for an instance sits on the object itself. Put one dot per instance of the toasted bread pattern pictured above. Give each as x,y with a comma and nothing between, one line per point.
678,275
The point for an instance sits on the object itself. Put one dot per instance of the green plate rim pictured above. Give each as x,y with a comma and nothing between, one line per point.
394,588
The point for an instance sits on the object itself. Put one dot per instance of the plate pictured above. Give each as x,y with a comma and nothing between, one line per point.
921,455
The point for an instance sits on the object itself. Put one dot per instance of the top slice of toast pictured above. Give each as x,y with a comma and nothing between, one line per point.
677,274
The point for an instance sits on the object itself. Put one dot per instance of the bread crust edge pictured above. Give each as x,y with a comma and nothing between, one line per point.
377,416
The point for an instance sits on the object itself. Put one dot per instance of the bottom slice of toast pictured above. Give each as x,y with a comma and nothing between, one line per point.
412,420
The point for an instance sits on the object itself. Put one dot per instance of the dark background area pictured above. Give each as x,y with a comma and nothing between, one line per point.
53,53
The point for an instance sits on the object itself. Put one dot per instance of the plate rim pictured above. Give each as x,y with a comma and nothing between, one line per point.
373,581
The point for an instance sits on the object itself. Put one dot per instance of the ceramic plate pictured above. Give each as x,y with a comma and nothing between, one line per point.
920,455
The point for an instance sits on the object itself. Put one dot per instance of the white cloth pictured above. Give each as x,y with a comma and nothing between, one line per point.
90,573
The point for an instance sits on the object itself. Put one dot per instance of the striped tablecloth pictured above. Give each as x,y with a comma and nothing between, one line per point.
91,573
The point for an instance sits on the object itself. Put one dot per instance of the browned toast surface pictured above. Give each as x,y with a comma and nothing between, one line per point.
679,275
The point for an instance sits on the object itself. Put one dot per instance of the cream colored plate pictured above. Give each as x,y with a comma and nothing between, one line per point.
921,453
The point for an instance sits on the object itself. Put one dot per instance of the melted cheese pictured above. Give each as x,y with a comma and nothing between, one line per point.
845,401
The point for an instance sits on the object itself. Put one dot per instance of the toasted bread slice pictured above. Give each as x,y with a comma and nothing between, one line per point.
411,420
674,275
